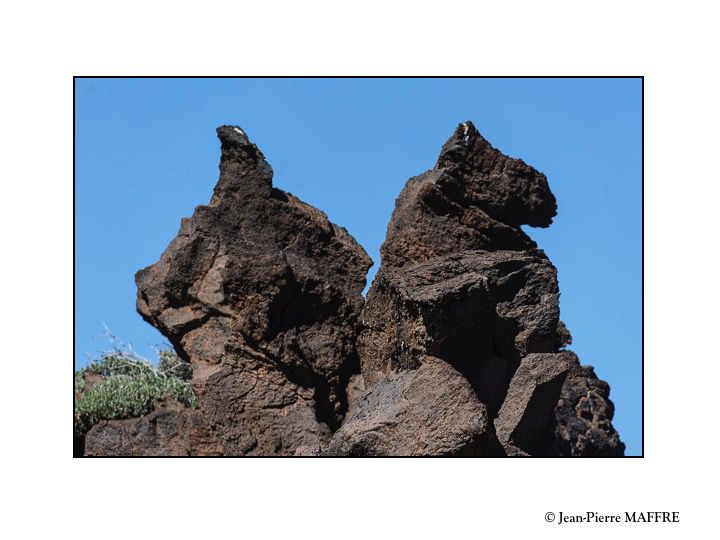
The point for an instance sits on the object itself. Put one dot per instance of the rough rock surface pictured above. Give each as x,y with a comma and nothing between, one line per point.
461,282
584,414
480,311
261,293
166,431
474,198
524,425
458,349
428,411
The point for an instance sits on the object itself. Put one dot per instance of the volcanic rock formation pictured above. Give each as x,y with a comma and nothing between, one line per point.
457,351
262,294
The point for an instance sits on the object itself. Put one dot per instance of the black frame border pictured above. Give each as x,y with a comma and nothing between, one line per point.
642,230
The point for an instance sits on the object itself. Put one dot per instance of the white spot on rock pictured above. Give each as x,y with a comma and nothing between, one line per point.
466,128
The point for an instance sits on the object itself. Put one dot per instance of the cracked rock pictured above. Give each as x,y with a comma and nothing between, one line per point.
261,292
457,351
480,311
428,411
167,431
524,424
460,281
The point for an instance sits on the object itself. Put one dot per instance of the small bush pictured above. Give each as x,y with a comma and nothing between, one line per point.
130,387
174,366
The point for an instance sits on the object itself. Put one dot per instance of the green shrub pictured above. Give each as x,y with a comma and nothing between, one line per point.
130,387
174,366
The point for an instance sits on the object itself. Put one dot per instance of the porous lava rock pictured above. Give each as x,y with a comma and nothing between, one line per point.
474,198
461,282
480,311
583,416
166,431
428,411
458,350
261,292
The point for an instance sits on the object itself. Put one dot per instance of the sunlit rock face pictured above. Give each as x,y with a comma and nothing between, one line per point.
458,349
461,283
262,294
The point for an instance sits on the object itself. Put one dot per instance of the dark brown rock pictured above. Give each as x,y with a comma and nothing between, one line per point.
460,281
428,411
524,424
166,431
480,311
584,414
475,198
262,294
460,340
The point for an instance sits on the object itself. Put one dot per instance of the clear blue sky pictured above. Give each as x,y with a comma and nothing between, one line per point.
147,154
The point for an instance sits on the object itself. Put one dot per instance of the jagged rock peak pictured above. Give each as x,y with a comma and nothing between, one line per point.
475,198
233,136
261,292
506,188
243,168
